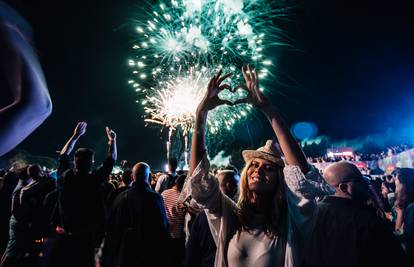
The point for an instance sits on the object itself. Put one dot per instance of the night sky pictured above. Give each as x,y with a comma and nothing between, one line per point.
351,72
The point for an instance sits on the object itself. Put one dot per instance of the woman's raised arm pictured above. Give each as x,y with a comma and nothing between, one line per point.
290,148
209,102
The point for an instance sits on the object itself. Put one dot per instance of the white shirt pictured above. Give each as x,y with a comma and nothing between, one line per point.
252,248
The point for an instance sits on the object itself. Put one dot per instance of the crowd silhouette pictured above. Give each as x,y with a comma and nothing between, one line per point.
278,211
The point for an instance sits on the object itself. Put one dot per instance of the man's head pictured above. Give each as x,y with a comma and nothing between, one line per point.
179,182
228,181
141,172
84,159
347,181
172,165
34,171
126,177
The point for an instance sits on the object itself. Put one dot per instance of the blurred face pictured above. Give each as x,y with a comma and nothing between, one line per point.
262,176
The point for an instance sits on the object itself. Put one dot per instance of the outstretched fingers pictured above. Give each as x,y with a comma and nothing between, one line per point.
81,127
246,78
210,85
217,76
254,73
221,79
249,73
81,124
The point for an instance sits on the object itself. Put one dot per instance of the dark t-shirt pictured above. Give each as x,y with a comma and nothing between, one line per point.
201,249
347,234
80,202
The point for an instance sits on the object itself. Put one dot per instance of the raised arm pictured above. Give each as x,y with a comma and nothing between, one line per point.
31,103
80,129
290,148
209,102
105,170
112,143
64,161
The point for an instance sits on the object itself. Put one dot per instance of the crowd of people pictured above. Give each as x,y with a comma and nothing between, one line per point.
358,156
278,211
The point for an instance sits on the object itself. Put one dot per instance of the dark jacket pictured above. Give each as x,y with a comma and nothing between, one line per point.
201,249
347,234
137,229
80,206
30,211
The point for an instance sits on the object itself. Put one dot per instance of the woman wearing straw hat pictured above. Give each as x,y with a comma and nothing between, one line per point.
275,207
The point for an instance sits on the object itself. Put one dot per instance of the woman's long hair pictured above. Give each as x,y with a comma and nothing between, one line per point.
275,218
406,177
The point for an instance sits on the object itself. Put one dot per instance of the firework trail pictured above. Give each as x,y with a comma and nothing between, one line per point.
181,44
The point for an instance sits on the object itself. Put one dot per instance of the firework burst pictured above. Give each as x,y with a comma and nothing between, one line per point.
181,44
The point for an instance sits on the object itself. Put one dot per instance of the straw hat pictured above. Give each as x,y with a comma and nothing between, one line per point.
269,151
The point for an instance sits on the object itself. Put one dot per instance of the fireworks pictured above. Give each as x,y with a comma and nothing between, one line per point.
181,44
175,104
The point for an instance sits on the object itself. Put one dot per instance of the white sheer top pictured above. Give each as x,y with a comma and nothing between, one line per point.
255,248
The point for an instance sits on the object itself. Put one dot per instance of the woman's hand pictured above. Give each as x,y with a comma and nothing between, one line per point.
209,102
211,99
254,95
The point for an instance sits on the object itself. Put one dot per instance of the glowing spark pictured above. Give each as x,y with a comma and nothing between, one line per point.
182,43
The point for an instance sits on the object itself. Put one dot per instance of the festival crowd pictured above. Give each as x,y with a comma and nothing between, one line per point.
358,156
279,210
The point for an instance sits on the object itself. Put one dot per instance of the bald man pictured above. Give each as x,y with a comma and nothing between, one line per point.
136,222
347,232
347,181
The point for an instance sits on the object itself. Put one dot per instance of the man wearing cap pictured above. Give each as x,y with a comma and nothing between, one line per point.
347,232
